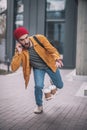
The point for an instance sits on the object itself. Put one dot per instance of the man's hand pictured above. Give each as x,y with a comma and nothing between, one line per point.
19,48
59,63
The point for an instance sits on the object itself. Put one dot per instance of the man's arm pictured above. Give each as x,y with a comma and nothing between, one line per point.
53,51
17,58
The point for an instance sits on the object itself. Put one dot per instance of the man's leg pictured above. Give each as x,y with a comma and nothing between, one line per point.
39,84
56,78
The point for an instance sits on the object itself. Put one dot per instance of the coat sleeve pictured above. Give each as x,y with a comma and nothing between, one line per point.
16,61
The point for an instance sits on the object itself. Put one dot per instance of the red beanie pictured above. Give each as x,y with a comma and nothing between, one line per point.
18,32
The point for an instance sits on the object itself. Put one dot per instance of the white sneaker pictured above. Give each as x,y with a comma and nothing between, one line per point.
38,110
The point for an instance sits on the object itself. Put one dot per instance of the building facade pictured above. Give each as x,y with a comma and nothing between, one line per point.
59,20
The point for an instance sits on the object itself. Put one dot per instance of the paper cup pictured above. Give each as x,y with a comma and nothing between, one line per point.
53,89
47,93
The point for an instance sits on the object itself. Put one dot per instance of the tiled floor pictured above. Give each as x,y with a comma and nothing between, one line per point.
67,111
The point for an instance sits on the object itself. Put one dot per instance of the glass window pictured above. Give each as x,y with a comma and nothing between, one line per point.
55,21
19,13
3,9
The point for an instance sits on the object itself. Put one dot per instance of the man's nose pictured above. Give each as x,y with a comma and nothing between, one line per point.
25,40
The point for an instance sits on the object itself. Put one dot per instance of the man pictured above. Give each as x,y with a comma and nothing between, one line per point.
44,59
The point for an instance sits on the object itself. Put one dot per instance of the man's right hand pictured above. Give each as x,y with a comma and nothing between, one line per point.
19,48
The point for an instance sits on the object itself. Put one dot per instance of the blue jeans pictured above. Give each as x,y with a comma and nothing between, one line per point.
39,76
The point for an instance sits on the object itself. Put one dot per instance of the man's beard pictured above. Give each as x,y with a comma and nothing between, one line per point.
26,46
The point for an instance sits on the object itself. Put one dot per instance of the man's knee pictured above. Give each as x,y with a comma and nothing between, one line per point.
60,86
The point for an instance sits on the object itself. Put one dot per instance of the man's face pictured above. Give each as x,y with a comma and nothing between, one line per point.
24,41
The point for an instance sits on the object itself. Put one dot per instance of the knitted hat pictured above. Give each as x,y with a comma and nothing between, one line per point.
18,32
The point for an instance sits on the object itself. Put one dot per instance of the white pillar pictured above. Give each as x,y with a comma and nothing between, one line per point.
81,56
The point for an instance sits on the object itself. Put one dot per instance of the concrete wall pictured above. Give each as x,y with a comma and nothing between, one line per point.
81,57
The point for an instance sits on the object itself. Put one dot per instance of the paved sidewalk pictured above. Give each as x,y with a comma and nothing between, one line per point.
67,111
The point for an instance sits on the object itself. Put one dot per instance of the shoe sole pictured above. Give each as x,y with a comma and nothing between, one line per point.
39,112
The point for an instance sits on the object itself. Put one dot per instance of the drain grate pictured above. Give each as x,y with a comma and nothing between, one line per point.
82,92
85,92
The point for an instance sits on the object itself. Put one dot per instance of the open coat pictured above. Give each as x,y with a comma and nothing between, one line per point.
48,53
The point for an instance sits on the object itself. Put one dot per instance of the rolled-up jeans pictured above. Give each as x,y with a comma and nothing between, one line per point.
39,75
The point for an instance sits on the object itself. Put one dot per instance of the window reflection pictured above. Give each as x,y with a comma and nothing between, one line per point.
55,5
55,21
3,7
3,10
19,13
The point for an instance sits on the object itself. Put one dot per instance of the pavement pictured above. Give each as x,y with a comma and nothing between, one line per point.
66,111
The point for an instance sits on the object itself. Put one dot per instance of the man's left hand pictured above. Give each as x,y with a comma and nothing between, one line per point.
59,63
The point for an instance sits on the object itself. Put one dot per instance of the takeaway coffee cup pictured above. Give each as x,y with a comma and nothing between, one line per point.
47,93
53,89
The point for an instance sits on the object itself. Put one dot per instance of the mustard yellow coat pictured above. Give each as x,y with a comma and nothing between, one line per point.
48,53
